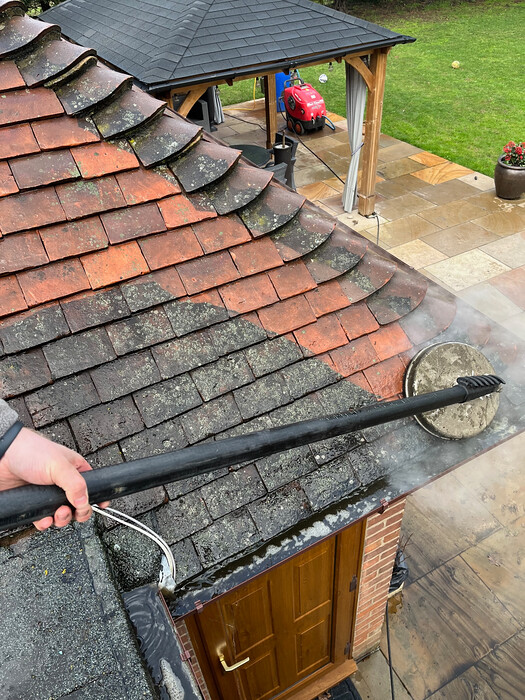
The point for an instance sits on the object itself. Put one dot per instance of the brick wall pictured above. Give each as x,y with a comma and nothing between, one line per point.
196,671
380,546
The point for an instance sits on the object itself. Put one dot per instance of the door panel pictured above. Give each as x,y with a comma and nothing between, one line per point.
292,622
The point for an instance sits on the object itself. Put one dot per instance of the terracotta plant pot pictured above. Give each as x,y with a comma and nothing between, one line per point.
509,180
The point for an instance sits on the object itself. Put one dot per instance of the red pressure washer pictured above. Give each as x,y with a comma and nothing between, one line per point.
305,107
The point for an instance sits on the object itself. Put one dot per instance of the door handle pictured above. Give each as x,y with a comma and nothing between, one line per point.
234,667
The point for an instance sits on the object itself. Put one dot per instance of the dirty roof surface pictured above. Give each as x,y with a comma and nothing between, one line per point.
157,291
171,42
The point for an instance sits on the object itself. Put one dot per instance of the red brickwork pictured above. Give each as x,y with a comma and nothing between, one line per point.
196,671
381,539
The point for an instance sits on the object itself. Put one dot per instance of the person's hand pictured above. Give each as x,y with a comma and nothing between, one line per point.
33,459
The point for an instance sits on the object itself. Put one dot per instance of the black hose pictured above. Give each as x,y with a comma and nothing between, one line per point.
389,654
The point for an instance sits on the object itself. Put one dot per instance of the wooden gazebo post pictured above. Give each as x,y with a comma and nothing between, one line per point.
270,108
374,111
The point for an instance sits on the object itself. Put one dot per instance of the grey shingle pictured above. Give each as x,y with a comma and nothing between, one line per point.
158,41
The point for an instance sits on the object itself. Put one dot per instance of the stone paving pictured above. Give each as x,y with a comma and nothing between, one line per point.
458,631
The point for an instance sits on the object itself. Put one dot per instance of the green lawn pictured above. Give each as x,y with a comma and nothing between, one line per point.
465,115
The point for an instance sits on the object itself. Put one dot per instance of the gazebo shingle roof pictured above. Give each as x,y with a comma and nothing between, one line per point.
157,291
170,42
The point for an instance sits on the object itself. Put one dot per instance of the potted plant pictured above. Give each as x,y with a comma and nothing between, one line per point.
509,175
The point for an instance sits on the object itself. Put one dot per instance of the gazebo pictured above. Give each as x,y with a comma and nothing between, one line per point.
175,48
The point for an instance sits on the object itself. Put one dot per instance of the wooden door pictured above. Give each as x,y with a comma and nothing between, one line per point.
293,623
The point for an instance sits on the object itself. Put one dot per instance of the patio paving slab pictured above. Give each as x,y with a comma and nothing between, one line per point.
503,223
470,685
395,168
509,250
486,298
417,253
478,180
516,324
402,206
450,603
512,284
453,213
403,230
442,172
466,269
397,151
499,561
427,158
446,192
372,680
458,239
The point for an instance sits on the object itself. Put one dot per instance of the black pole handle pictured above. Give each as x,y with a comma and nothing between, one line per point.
28,503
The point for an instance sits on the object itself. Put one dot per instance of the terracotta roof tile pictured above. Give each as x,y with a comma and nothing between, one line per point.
163,139
339,254
240,187
24,372
29,210
287,315
274,208
33,328
353,357
372,273
20,251
114,264
403,293
430,318
90,88
23,105
44,169
357,320
74,238
103,158
249,294
204,164
326,298
10,77
11,297
171,247
17,141
128,111
94,308
64,132
217,235
53,281
133,222
322,336
84,198
208,272
181,210
292,279
386,378
20,30
7,181
49,60
153,289
256,256
303,234
146,185
389,341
